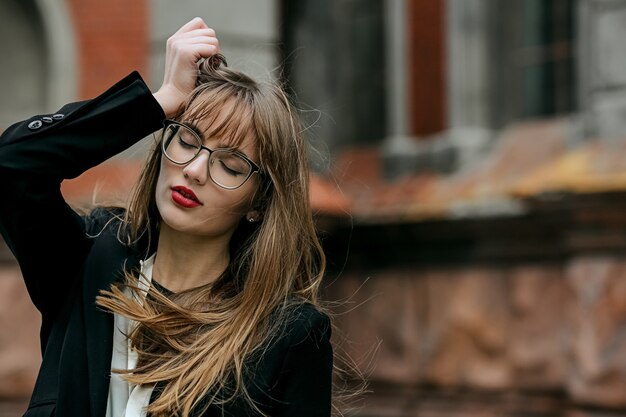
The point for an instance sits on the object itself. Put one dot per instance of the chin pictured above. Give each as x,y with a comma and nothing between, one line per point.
173,217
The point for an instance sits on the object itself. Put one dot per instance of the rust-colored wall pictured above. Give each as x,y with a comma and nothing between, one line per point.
112,40
548,334
426,45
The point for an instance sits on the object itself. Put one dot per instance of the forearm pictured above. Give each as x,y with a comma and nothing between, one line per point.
89,133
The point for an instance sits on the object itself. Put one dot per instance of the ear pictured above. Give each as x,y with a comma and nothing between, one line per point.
254,216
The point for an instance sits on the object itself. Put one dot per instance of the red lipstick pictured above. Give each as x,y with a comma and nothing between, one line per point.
183,196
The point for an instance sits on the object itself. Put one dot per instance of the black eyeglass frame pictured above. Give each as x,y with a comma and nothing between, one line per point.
254,167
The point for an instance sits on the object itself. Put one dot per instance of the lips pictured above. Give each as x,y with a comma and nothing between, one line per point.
183,196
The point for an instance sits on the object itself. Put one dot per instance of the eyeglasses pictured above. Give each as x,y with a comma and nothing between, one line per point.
227,168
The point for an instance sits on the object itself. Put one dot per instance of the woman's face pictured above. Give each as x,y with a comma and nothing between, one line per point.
216,211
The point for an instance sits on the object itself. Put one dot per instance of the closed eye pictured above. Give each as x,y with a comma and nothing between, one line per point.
182,142
186,139
230,170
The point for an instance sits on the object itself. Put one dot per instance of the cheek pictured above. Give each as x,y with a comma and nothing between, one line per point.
229,201
161,186
244,197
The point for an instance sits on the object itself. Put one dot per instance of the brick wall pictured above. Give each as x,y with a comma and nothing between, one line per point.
112,40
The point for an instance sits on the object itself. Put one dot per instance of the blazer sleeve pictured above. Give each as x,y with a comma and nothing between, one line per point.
304,386
46,236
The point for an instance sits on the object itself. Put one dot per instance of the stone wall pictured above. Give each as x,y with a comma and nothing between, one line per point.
505,315
557,329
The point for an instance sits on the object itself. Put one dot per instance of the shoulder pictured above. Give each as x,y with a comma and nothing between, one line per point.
306,323
303,380
103,219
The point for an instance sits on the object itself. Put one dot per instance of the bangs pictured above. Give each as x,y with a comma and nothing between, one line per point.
224,113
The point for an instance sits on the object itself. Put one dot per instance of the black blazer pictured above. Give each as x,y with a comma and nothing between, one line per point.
66,259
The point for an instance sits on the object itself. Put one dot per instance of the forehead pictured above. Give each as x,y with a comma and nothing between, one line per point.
222,117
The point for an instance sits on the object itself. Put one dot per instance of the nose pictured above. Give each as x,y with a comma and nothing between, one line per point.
198,169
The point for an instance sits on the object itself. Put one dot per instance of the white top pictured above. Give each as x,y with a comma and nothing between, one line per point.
128,400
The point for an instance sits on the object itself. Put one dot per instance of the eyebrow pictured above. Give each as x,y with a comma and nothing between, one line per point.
194,127
220,144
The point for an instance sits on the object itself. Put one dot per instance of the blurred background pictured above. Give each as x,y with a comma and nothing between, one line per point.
469,181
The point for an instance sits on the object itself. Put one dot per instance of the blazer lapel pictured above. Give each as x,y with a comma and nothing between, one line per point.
107,265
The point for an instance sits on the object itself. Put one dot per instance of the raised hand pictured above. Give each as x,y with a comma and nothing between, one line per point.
192,42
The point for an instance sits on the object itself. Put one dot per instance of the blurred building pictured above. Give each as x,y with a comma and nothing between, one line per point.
469,180
481,147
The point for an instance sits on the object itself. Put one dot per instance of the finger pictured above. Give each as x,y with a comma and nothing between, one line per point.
192,45
203,39
195,23
180,39
184,37
204,51
193,52
185,45
196,32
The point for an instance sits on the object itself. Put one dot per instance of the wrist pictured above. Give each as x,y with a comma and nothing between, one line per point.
168,103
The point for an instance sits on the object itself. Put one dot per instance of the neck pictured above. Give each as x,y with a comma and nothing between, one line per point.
186,261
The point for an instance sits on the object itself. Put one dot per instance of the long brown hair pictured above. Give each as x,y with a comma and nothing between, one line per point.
196,342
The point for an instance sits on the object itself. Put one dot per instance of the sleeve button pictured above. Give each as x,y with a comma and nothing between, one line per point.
58,116
47,119
35,124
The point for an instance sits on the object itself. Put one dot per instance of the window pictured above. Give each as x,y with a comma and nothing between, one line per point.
535,39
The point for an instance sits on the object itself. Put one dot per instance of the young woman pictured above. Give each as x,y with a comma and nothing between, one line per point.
201,297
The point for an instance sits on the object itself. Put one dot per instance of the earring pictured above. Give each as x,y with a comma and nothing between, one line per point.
254,216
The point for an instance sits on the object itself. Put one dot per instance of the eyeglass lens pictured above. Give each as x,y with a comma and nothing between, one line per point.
226,168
